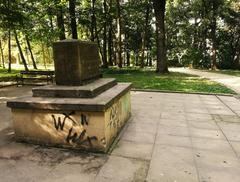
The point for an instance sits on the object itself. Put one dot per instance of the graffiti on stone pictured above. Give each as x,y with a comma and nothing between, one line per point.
74,135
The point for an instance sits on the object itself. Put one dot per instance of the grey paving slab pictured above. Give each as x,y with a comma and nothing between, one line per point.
232,135
236,147
231,119
229,126
212,145
133,150
172,164
171,140
76,169
173,122
122,169
217,166
139,137
211,124
206,133
23,171
198,117
172,115
173,130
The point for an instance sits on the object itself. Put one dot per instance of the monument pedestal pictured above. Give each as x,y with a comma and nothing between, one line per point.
79,123
71,115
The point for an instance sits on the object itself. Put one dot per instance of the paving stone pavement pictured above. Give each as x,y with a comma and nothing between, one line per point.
230,81
170,138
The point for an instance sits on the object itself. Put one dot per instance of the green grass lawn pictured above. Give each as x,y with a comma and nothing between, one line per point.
5,76
227,72
148,79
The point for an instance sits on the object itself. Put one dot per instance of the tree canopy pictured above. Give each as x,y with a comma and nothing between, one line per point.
201,33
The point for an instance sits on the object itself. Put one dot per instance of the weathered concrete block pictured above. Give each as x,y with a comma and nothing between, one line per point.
76,62
85,91
77,123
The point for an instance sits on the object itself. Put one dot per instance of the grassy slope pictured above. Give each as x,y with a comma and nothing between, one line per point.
173,82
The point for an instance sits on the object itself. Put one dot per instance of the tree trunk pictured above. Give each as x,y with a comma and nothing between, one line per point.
119,33
44,56
93,20
72,6
136,58
213,37
127,49
30,50
2,56
9,52
110,37
144,34
60,21
105,64
20,51
128,58
159,9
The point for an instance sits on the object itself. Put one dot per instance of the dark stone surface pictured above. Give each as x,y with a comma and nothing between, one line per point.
86,91
76,62
96,104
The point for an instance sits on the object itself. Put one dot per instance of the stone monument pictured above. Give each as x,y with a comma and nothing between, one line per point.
82,111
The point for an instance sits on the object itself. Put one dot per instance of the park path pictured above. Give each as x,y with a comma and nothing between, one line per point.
232,82
170,137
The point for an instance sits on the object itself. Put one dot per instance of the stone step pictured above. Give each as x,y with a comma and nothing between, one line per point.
96,104
85,91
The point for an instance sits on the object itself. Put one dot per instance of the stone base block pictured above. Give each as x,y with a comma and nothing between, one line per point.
91,128
86,91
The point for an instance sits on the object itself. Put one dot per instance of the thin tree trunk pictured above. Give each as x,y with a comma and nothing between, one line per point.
136,58
9,51
2,56
9,42
20,51
127,50
30,50
94,32
119,33
213,37
72,6
44,56
145,34
105,63
60,21
110,37
48,55
150,56
93,20
128,58
159,9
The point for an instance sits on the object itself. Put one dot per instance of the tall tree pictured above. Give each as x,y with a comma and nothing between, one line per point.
104,57
20,51
72,6
31,53
9,52
110,37
144,34
60,20
2,56
159,9
119,35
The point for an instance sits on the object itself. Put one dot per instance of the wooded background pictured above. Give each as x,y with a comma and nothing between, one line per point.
201,33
